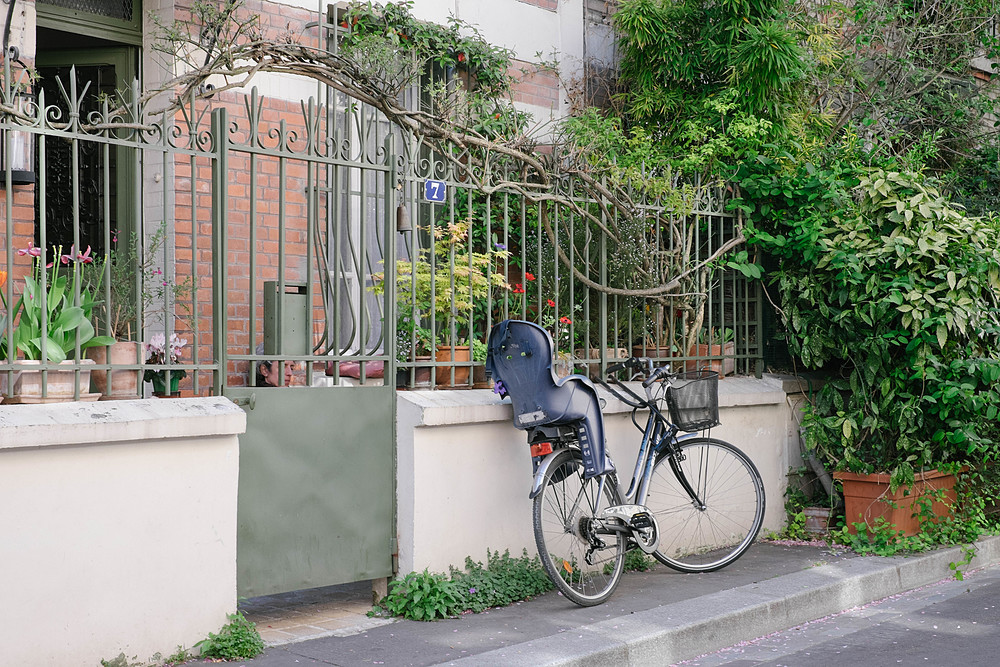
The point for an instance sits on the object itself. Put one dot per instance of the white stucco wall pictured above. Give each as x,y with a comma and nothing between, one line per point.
464,472
118,525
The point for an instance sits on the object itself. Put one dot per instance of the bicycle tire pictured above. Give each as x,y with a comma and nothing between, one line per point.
561,518
705,539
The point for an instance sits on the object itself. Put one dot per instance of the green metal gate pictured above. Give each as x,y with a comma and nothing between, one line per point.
307,224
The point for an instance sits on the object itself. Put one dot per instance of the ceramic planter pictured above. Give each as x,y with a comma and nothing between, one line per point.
421,375
160,384
60,384
124,383
867,497
479,379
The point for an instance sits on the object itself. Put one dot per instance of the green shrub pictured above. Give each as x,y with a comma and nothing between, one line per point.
502,581
637,561
422,596
896,294
237,639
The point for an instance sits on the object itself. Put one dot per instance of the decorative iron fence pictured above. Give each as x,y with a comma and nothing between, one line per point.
479,256
266,238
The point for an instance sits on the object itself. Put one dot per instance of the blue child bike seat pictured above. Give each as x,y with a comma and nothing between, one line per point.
520,357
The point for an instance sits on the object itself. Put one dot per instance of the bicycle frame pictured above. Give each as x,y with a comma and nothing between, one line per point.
659,434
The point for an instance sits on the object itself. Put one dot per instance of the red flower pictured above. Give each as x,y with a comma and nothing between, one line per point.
518,288
551,303
529,276
461,57
565,320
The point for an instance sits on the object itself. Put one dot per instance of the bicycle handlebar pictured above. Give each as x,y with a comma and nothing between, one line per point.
653,376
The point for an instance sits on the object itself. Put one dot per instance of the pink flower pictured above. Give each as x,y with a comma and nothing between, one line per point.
32,250
85,257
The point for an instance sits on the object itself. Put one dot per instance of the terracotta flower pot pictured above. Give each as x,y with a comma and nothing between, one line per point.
867,497
448,353
124,383
721,366
610,353
817,519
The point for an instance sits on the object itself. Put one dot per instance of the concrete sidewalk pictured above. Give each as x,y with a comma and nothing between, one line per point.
654,618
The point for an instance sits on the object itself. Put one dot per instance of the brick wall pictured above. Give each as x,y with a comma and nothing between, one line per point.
276,224
535,85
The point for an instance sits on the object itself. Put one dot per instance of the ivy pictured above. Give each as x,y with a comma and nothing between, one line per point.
456,46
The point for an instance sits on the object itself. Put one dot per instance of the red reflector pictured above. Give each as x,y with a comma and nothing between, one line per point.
541,449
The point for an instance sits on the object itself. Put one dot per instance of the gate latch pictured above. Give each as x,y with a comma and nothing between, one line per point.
246,401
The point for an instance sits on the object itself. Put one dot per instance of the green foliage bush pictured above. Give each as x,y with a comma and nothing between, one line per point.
422,596
504,580
425,596
237,639
897,294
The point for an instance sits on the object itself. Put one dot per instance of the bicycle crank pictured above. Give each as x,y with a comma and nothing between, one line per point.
640,522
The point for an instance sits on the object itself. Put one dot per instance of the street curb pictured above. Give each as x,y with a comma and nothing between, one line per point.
664,635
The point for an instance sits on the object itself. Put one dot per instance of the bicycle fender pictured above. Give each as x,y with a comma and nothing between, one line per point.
536,485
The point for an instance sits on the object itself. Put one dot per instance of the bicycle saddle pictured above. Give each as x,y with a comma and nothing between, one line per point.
520,356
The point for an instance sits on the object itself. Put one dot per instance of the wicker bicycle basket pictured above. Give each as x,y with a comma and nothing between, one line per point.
693,400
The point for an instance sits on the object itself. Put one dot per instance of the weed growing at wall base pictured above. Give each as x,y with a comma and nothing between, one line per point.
237,639
425,596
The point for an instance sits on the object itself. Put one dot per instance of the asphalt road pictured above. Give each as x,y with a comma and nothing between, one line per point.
948,623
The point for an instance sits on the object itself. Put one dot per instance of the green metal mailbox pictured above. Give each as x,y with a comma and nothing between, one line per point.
287,328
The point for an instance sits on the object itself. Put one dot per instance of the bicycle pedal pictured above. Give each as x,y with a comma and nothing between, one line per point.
641,521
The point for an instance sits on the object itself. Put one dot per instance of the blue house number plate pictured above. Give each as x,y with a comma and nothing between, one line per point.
435,190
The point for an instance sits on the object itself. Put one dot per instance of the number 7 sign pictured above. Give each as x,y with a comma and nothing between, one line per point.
435,190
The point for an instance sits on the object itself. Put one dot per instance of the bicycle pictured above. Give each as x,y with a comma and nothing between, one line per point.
705,492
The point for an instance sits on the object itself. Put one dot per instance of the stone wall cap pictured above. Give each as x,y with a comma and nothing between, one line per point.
118,421
469,406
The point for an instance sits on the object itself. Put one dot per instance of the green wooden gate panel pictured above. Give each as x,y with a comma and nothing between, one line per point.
316,488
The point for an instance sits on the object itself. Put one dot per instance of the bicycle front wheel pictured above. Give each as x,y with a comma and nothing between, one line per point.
582,557
715,527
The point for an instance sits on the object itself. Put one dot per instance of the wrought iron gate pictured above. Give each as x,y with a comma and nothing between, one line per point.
316,503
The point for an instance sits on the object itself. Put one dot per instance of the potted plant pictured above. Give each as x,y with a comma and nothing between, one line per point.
713,343
440,290
559,329
414,343
137,288
54,310
159,353
479,353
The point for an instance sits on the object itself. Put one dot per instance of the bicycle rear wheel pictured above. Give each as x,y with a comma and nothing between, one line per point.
584,560
709,536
